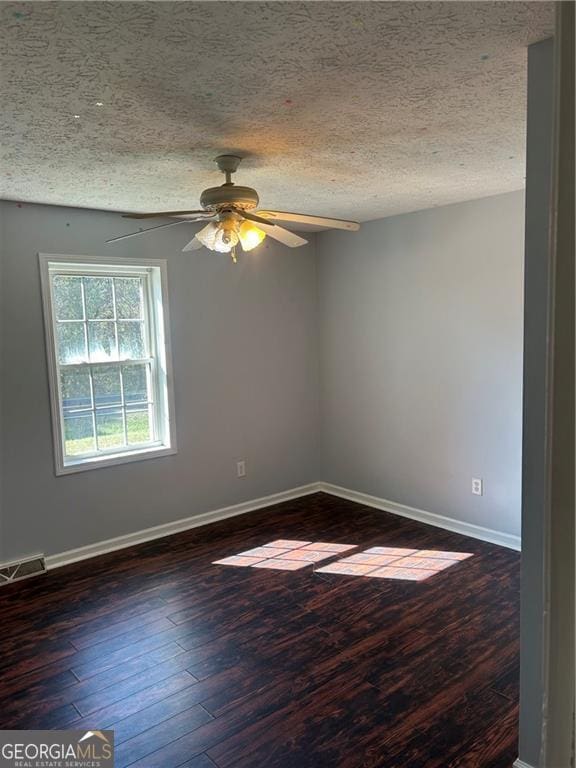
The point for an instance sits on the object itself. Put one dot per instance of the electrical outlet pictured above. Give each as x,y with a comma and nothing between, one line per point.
241,468
477,486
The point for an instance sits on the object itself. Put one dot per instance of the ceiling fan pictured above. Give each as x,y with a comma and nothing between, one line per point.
232,218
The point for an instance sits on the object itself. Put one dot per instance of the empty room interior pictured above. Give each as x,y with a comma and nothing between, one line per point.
286,294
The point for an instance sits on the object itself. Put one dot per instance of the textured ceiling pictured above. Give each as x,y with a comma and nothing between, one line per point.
352,109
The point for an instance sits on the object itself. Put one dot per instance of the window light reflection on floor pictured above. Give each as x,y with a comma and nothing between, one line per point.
396,563
286,554
376,562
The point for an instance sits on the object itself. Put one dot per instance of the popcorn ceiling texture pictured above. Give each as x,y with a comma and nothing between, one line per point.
352,109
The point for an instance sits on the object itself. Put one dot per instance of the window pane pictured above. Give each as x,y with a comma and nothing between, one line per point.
75,389
67,297
71,342
128,297
78,435
102,341
106,385
109,428
98,297
135,383
138,426
131,340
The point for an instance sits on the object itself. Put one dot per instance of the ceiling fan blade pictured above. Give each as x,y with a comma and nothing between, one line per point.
259,219
143,231
193,245
160,214
279,233
303,218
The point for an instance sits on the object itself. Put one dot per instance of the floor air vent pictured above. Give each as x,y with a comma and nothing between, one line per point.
32,566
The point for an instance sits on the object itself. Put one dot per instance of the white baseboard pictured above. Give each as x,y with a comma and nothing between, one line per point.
521,764
430,518
167,529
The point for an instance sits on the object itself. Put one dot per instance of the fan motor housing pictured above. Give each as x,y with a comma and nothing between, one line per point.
229,194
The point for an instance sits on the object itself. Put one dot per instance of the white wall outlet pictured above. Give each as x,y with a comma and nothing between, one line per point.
241,468
477,486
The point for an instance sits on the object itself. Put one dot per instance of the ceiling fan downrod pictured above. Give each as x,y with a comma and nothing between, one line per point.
228,164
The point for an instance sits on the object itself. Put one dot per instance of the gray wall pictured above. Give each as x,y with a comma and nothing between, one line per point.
421,359
419,349
245,362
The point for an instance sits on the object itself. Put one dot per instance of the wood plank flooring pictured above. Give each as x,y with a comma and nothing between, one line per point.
205,666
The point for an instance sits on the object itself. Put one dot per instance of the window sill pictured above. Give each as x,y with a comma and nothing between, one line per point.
100,462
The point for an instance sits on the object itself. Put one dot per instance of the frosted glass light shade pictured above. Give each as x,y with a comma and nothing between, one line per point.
207,235
250,235
226,238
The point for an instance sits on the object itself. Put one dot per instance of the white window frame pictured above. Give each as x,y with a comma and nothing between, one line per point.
157,324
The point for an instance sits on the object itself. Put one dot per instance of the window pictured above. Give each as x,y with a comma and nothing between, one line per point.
109,361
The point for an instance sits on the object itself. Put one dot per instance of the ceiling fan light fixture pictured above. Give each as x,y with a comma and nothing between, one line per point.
250,235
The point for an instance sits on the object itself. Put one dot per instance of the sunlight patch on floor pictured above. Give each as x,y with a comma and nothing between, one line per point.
286,554
395,563
376,562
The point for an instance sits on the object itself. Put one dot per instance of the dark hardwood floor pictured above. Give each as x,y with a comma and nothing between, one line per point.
198,665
